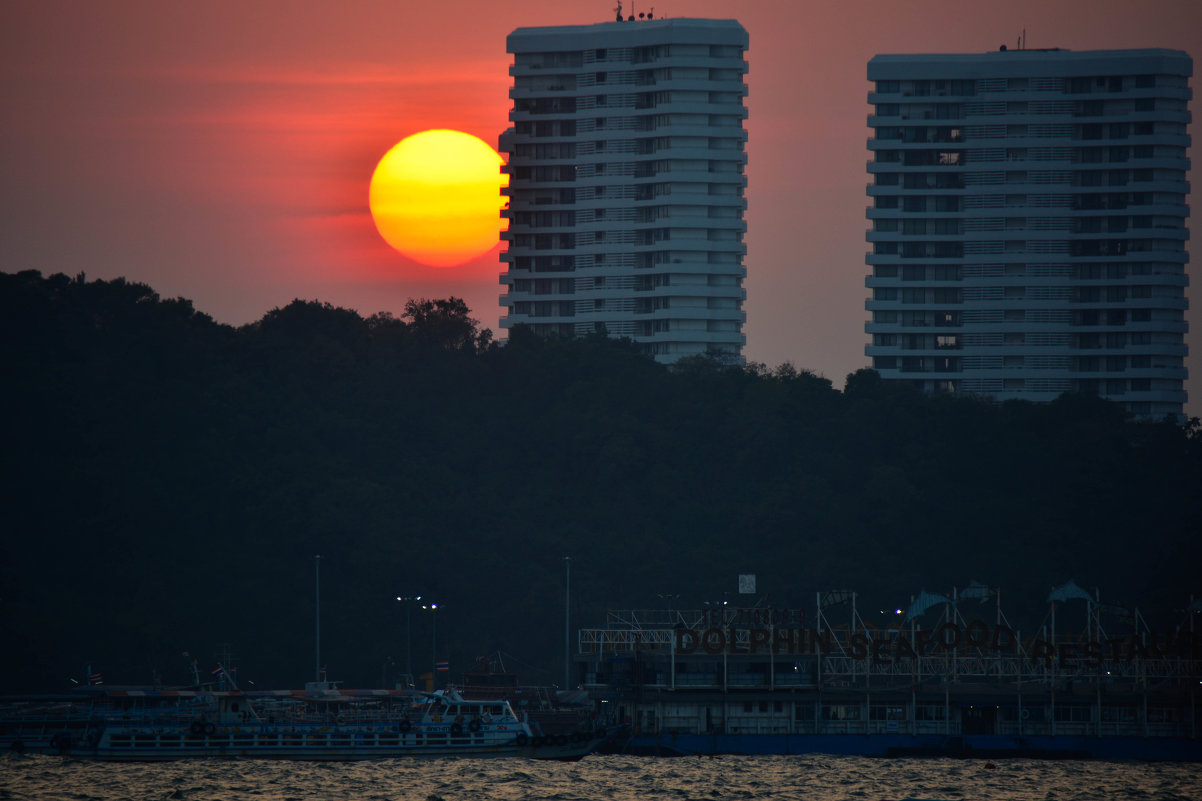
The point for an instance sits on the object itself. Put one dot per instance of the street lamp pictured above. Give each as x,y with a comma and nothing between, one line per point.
567,617
433,607
408,621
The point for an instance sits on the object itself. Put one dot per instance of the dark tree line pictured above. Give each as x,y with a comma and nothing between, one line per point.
168,480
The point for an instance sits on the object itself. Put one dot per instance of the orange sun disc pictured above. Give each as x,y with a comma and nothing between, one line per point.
436,197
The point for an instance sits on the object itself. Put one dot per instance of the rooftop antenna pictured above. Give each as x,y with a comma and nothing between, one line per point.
618,10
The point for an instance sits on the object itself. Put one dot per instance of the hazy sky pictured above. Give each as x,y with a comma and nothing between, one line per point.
221,151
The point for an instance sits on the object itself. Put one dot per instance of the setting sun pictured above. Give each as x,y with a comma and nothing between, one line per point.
435,197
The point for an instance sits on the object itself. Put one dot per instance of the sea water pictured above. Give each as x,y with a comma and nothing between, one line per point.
599,778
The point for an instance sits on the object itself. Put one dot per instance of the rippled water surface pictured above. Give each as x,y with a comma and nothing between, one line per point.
623,778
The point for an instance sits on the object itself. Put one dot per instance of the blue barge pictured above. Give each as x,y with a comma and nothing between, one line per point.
938,681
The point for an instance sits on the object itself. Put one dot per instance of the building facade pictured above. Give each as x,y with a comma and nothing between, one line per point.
1027,224
626,164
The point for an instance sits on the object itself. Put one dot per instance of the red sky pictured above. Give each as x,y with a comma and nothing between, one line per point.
221,151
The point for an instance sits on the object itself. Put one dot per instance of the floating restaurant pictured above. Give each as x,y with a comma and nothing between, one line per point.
951,677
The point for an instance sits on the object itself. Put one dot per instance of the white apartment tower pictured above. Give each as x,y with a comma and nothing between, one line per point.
626,180
1027,221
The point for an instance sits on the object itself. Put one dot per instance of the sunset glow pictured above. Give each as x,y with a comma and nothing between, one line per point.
436,197
221,151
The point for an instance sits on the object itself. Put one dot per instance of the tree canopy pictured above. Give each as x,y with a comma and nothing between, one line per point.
167,482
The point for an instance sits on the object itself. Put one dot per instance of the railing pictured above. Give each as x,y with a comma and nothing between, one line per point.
801,720
998,671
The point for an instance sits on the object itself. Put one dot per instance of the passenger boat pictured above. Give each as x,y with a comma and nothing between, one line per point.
947,676
139,724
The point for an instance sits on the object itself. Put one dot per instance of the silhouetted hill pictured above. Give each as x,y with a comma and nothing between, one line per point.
168,480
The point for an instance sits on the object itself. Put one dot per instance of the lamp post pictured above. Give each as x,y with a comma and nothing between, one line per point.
720,606
317,616
404,599
433,607
567,616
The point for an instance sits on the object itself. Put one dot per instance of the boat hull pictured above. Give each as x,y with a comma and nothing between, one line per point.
900,745
117,744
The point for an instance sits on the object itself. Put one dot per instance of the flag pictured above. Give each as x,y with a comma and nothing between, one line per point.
218,671
925,601
95,678
976,589
835,597
443,667
1068,591
1121,612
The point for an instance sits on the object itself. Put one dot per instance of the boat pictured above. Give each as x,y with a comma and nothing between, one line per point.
946,675
549,710
124,724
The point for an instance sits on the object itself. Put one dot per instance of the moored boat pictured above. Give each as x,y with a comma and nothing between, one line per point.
136,724
550,711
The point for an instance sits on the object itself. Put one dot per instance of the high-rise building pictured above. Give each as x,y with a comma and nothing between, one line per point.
626,162
1028,224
